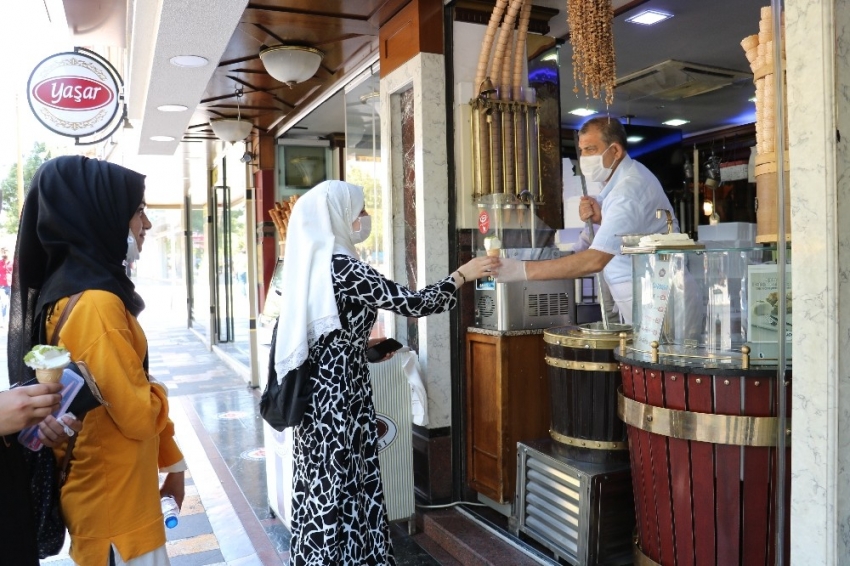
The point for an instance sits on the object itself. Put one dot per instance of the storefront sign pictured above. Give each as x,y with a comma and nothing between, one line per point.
76,94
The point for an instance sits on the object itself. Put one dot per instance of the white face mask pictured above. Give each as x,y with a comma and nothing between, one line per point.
358,236
132,248
593,169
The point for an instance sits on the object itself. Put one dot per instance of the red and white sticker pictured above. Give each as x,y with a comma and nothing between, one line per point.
483,222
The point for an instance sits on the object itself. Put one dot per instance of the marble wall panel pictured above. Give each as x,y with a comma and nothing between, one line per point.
424,76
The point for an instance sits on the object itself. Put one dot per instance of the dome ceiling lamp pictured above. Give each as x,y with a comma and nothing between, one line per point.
232,130
291,64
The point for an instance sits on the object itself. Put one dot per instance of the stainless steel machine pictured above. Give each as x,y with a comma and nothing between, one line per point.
526,305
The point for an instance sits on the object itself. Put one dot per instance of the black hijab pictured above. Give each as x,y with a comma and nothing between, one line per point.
72,237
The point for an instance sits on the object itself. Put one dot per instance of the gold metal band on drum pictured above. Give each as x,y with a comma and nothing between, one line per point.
641,559
583,342
586,443
582,366
703,427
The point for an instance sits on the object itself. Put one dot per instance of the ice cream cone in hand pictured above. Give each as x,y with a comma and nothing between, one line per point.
493,246
48,362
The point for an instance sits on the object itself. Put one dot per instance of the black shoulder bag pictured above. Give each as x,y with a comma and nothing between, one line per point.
283,404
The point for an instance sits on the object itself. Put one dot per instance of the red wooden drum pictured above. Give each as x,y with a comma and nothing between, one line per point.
703,458
583,381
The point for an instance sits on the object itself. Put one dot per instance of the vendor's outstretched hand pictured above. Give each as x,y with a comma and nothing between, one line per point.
510,270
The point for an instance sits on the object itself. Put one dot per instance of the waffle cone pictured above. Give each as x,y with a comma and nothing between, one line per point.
52,375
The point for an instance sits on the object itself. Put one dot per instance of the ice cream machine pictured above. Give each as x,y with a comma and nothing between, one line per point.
508,227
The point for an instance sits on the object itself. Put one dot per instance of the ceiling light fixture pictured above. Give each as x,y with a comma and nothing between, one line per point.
634,139
649,17
583,112
372,100
232,130
676,122
172,108
291,64
192,61
752,99
162,138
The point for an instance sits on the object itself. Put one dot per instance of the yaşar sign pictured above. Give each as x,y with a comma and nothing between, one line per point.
75,94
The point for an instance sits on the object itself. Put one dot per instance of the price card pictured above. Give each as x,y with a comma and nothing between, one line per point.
654,307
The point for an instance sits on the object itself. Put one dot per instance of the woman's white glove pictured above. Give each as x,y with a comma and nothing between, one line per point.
511,270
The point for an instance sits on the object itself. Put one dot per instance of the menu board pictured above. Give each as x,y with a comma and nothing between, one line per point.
763,311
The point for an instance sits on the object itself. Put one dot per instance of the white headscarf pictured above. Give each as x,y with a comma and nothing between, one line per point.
320,226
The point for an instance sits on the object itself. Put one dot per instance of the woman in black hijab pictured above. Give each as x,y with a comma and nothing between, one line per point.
73,238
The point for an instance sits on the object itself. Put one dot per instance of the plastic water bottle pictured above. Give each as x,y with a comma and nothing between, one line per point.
170,511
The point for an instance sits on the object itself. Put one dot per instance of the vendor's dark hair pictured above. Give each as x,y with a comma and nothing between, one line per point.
610,129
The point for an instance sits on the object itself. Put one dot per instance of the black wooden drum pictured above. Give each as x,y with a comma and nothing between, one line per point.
583,382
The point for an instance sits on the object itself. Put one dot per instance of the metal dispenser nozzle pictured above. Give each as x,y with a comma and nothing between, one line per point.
669,218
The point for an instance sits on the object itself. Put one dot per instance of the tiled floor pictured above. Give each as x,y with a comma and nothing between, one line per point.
225,518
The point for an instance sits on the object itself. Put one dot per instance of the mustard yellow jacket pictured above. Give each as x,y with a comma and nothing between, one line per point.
111,495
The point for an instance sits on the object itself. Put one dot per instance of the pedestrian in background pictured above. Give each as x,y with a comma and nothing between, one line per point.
5,282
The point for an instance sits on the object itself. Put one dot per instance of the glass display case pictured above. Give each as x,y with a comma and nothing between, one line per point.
714,308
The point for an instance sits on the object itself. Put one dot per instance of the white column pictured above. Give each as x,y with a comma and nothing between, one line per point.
818,76
425,74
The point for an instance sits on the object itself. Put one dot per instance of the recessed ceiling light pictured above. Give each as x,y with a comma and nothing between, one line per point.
753,99
172,108
634,139
649,17
162,138
676,122
583,112
188,61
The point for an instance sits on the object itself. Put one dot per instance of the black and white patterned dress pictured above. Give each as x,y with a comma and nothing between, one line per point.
339,516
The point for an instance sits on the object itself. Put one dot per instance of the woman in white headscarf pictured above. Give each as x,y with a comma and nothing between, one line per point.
332,302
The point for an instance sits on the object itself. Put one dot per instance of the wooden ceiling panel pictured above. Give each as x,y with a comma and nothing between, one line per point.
345,9
306,28
345,31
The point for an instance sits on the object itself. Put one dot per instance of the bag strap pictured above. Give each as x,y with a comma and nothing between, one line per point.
66,461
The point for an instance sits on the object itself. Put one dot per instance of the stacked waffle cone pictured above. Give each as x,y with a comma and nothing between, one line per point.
280,216
759,49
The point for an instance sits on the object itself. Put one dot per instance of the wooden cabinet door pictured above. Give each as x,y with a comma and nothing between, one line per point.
485,414
507,401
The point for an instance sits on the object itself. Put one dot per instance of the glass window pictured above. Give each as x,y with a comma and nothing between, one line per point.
363,167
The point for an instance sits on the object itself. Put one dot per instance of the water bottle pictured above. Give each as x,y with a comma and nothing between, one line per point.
170,511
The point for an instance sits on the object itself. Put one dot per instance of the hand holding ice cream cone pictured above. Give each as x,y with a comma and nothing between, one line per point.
48,362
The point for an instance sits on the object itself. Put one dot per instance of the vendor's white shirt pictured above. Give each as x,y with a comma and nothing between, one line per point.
629,201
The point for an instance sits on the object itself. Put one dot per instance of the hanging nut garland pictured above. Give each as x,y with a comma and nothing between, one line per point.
592,38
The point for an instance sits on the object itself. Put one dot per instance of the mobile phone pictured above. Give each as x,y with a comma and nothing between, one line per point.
380,350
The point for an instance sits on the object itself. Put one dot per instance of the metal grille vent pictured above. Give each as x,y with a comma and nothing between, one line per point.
549,304
553,506
673,80
486,306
